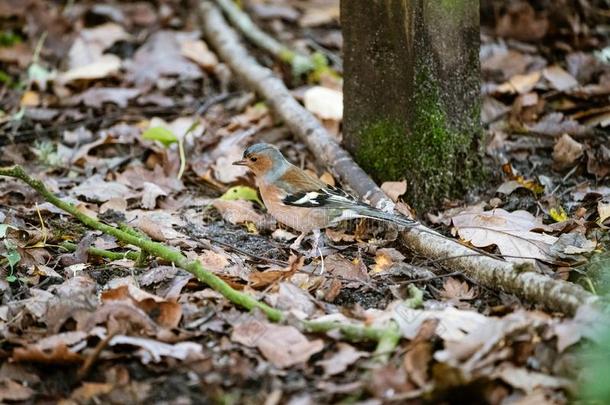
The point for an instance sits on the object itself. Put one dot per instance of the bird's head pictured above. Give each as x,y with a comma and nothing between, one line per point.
261,158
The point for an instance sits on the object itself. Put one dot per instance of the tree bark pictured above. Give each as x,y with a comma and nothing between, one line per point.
412,93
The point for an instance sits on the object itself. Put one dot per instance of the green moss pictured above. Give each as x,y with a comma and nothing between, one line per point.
436,158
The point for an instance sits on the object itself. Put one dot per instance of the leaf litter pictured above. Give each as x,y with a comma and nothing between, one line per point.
109,72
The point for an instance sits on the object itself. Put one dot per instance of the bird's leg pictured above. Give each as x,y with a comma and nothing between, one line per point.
318,244
296,245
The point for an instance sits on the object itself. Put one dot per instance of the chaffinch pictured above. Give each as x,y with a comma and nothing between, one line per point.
304,202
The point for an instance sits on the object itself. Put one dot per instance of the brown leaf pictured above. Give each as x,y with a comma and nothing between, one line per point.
59,354
165,313
198,51
88,392
394,189
566,151
13,391
241,211
154,350
339,266
95,188
559,78
341,360
510,231
416,362
522,23
386,258
283,346
454,289
161,56
520,84
527,380
291,297
97,96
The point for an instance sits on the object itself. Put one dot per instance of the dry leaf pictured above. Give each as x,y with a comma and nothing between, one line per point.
394,189
603,210
520,83
386,258
91,43
13,391
339,266
241,211
150,194
559,78
291,297
325,103
341,360
510,231
459,290
96,189
106,66
198,51
527,380
154,350
566,151
283,346
161,56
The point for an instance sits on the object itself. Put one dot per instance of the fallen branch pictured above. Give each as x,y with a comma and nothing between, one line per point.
300,63
555,295
131,236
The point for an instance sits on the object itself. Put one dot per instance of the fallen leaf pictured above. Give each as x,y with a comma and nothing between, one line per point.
339,361
520,83
566,151
161,56
319,15
91,43
603,210
97,96
510,231
325,103
240,211
528,381
458,290
394,189
13,391
198,51
107,65
559,78
386,258
150,194
283,346
154,350
164,313
95,188
353,272
291,297
90,391
521,22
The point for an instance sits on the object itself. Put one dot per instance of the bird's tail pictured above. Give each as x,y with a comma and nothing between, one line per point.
400,220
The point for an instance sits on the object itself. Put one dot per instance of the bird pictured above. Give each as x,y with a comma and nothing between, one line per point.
303,202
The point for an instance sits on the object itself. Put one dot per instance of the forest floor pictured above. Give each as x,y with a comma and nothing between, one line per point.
96,99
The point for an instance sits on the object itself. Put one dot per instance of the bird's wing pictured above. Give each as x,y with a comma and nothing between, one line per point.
303,190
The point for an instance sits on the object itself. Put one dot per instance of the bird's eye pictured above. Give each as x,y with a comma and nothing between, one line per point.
252,159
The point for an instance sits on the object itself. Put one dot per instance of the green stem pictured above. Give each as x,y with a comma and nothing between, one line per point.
107,254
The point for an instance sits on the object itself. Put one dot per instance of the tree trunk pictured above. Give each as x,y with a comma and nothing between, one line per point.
412,93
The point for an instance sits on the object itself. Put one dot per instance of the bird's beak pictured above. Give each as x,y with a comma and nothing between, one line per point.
242,162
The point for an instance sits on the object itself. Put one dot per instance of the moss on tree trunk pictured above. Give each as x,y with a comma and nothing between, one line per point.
412,93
